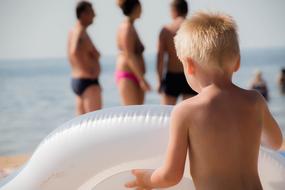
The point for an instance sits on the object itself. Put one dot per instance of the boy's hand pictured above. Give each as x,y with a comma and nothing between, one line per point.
142,180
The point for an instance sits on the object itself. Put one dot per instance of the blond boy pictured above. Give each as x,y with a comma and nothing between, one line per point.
223,126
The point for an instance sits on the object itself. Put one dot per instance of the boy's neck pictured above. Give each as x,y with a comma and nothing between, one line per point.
220,80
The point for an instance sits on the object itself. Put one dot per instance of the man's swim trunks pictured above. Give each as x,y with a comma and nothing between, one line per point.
175,84
79,85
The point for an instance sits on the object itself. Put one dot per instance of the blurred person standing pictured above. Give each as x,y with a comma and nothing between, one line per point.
281,81
259,84
84,61
130,67
171,80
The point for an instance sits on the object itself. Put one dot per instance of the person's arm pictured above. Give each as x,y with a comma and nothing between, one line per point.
172,170
76,43
271,136
160,56
129,49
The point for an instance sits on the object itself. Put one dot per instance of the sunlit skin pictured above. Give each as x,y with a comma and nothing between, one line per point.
84,61
166,47
223,126
131,59
222,136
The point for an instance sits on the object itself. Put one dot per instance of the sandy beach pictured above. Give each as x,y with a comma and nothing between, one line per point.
9,163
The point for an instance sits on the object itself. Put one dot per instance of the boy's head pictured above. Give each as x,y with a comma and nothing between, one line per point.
210,40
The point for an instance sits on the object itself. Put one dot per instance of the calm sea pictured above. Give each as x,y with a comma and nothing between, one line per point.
35,95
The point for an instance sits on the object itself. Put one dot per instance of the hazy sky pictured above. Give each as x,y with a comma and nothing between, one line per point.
39,28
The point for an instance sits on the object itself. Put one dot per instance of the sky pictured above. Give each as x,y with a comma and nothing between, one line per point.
31,29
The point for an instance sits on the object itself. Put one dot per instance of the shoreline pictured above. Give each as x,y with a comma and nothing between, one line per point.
10,163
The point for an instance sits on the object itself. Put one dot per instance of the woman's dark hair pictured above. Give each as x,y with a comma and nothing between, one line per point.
81,7
180,6
128,6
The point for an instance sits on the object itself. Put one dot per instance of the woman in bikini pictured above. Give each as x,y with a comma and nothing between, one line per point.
130,67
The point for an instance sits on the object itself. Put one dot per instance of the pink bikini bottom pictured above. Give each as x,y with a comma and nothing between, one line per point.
126,75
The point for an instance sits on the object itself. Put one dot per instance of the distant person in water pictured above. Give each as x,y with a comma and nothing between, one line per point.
281,81
84,61
130,67
171,79
259,84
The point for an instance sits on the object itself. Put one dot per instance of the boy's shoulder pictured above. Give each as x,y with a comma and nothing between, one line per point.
193,107
249,99
184,111
252,95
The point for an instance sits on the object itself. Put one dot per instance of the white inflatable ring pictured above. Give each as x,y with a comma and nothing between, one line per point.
96,152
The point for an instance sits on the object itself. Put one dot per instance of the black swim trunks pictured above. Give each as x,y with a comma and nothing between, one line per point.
175,84
79,85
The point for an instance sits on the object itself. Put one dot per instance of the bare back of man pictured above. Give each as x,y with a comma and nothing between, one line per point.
227,164
84,61
166,41
173,66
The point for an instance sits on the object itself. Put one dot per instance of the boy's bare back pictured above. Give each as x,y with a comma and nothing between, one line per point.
224,130
223,126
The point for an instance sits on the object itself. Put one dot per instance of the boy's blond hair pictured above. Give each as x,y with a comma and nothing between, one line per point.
208,38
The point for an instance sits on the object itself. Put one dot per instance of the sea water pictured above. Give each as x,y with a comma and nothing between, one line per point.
35,95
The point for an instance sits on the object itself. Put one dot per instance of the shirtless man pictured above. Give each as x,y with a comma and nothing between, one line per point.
84,61
221,127
171,80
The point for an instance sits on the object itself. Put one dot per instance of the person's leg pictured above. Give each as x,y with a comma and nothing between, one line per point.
168,100
168,89
130,92
79,106
141,95
92,98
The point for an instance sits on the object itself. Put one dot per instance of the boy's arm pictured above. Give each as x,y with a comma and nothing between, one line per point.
271,136
173,168
76,42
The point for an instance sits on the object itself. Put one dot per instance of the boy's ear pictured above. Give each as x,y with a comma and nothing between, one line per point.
237,66
190,66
